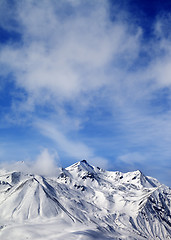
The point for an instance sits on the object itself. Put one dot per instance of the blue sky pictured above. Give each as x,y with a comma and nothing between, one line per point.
87,80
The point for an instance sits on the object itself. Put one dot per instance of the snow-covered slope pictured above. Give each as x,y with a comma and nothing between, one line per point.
90,202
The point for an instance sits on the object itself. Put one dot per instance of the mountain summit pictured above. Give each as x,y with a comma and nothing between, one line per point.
85,201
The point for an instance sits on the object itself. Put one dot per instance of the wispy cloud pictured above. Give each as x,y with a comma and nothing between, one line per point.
70,147
64,57
131,158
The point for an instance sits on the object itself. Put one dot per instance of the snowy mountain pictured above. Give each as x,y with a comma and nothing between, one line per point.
84,202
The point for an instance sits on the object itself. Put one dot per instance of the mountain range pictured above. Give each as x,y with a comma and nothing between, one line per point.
83,202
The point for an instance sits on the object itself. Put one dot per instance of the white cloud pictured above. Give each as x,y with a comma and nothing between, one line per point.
45,164
62,58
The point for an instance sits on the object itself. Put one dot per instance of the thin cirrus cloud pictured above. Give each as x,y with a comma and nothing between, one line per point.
76,66
74,149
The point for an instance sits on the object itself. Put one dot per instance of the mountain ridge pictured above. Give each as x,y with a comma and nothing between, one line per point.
118,204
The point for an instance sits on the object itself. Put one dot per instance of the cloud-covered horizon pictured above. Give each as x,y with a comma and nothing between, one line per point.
84,75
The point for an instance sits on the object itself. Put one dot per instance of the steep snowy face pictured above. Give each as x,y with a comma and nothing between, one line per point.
26,196
122,204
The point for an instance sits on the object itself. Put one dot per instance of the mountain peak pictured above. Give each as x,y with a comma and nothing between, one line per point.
84,161
81,165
